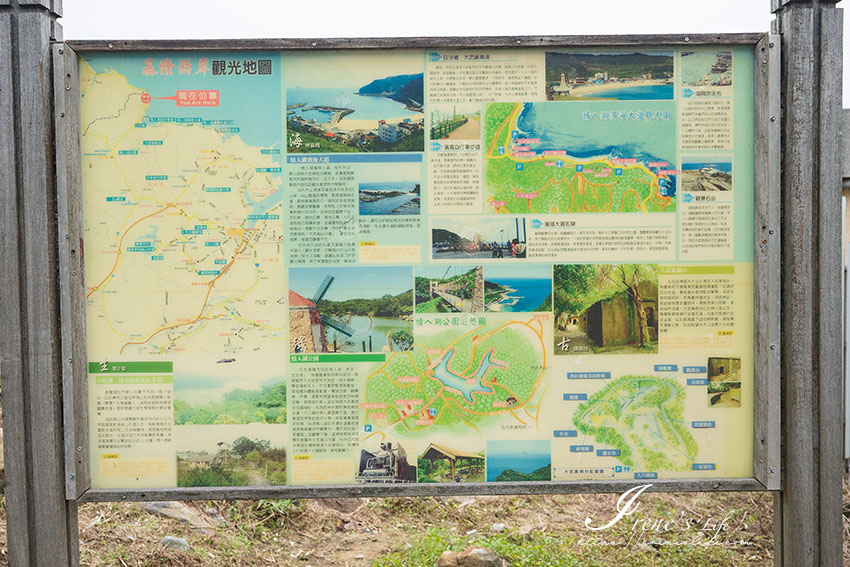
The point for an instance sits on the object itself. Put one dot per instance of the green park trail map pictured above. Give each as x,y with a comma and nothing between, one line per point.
447,381
521,178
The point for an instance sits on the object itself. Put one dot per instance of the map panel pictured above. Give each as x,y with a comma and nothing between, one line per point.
580,157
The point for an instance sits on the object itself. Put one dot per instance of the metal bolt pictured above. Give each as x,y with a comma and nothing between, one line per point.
773,118
770,44
71,477
61,51
67,87
771,470
70,359
716,485
61,114
771,231
314,44
67,237
772,347
79,448
109,46
519,41
764,60
74,273
761,459
687,38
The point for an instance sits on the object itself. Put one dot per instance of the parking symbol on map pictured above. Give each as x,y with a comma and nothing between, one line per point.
519,167
367,428
579,167
432,412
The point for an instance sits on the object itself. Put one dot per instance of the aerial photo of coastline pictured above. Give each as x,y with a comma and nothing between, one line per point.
509,289
390,191
354,102
609,76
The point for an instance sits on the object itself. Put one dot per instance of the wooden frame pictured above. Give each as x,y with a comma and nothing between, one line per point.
767,396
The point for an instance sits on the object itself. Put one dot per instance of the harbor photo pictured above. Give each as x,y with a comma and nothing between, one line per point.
354,102
525,290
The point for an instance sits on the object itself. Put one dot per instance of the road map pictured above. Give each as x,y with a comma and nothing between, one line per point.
447,380
639,420
183,239
589,157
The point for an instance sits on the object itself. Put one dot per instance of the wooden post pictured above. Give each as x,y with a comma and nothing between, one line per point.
808,508
41,524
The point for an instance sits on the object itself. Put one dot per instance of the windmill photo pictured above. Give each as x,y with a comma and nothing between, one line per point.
327,320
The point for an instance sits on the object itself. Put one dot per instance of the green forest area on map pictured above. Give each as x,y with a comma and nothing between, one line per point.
448,380
642,417
548,183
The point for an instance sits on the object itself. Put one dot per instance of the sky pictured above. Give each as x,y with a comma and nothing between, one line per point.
218,19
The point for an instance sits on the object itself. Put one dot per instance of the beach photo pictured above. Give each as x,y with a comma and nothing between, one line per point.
701,173
449,288
455,121
390,189
354,102
494,238
609,75
606,308
519,461
367,309
707,68
509,289
231,455
230,390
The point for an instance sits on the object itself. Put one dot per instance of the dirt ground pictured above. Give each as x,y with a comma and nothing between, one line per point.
366,532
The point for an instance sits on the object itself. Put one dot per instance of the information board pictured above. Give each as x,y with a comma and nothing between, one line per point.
418,266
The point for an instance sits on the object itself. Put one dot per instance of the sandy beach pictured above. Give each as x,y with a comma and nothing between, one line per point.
350,124
586,90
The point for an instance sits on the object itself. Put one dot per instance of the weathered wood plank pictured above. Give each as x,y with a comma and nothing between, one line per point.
11,345
584,41
40,530
435,489
828,272
71,271
767,387
799,419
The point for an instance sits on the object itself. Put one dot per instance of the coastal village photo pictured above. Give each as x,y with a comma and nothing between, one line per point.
354,102
609,76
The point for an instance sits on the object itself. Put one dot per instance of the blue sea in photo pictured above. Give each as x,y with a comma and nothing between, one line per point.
646,92
365,107
530,292
390,205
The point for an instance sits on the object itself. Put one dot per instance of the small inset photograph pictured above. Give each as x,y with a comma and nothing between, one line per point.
356,309
519,461
706,174
606,308
724,394
452,288
724,369
707,68
443,463
354,102
230,455
390,189
385,461
230,390
609,75
456,121
478,237
525,290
